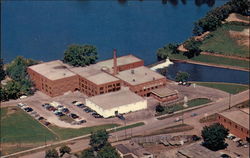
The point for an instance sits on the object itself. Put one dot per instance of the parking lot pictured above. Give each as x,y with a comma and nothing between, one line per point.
61,112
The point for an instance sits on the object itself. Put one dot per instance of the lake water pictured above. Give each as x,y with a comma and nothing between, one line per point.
43,29
208,73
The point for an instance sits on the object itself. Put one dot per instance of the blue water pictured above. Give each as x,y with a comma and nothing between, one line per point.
43,29
208,73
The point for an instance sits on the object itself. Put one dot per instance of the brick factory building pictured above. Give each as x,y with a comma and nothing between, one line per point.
55,78
237,121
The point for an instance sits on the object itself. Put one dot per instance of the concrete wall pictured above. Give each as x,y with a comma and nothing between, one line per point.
121,109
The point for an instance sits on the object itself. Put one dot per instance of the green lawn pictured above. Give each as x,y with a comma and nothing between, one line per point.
221,42
227,87
179,106
129,126
19,127
213,60
66,133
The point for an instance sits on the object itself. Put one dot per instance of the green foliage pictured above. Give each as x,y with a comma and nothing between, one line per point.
17,69
159,108
78,55
193,47
2,72
166,51
20,83
88,153
108,152
214,136
64,149
181,76
98,139
51,153
214,17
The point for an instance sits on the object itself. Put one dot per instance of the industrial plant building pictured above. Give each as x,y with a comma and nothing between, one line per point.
114,103
55,78
113,86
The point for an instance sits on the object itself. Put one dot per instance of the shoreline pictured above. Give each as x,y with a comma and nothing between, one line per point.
212,65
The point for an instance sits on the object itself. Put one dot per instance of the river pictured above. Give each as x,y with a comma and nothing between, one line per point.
43,29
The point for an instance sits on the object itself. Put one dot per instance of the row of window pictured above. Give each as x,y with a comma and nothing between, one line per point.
235,126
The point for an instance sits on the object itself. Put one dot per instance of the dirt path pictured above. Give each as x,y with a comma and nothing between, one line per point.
233,17
225,56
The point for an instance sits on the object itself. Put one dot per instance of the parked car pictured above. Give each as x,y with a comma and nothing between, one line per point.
41,118
195,138
177,119
193,114
74,116
28,109
47,123
65,110
121,117
73,102
225,156
88,110
21,104
98,116
81,105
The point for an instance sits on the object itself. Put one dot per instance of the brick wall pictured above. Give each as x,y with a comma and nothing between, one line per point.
233,127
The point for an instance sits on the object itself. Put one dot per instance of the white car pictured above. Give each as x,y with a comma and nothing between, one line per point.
20,104
23,97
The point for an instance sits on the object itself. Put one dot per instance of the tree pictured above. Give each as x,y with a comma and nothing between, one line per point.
193,47
88,153
2,72
239,6
214,136
108,152
181,76
159,108
64,149
51,153
17,69
12,89
78,55
167,50
98,139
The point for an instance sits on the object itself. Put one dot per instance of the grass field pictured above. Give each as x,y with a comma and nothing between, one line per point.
16,126
179,106
66,133
223,43
129,126
213,60
227,87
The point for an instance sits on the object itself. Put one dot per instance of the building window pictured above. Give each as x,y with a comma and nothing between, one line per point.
118,84
101,88
235,126
225,120
241,129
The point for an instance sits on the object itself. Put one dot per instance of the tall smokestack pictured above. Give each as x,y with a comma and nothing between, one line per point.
115,63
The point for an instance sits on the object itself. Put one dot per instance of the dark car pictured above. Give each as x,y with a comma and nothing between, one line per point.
46,123
28,109
81,105
195,138
74,116
121,117
41,118
82,121
73,102
88,110
59,114
225,156
65,110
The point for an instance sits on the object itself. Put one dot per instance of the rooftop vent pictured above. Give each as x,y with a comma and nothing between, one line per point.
153,78
146,74
133,80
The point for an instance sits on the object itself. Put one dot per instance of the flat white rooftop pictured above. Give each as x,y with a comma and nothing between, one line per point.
53,70
115,99
123,60
139,75
94,74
